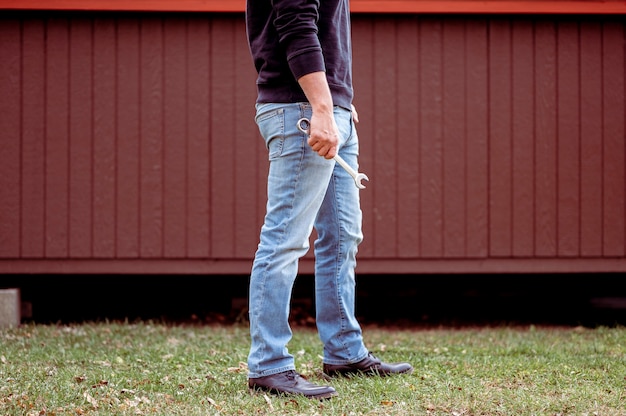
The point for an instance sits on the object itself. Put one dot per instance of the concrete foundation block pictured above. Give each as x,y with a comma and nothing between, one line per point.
9,308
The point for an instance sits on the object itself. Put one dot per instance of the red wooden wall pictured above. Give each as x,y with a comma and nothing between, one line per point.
492,143
356,6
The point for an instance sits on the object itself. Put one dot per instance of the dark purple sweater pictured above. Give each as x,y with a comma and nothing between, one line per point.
292,38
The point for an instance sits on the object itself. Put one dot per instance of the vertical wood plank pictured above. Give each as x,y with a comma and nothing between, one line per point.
128,138
10,132
104,139
385,138
591,140
614,135
223,116
175,138
431,121
247,147
453,138
477,133
81,139
500,138
57,131
364,101
523,144
545,93
408,158
568,137
33,145
198,88
151,145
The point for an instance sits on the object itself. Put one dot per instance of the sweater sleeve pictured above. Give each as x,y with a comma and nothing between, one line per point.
296,25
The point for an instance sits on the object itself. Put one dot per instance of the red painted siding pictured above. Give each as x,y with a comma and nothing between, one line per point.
493,143
357,6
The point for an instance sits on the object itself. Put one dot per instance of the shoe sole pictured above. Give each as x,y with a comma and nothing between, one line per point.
260,389
368,373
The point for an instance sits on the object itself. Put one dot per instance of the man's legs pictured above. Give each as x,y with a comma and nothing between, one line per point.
304,190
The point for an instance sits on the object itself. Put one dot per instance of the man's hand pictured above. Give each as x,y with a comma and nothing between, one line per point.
324,135
323,131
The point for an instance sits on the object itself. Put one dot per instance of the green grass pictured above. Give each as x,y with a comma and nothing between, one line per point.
152,368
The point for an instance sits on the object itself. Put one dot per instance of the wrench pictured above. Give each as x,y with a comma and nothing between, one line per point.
303,125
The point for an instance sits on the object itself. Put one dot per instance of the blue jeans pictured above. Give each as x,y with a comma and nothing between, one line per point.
304,191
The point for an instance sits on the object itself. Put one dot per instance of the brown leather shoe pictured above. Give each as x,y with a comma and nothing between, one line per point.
370,366
290,382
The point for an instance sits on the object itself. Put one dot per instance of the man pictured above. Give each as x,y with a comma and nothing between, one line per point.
302,52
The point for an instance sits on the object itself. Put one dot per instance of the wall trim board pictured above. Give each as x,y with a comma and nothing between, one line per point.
306,266
357,6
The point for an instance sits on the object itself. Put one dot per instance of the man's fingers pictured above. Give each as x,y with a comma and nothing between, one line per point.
323,149
355,115
327,152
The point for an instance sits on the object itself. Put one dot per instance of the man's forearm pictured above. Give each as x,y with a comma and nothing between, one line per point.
315,87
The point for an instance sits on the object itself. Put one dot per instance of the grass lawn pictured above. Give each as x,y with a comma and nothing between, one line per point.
154,368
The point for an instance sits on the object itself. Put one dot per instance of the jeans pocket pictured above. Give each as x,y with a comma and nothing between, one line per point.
271,122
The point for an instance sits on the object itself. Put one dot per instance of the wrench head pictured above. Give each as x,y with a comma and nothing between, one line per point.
359,178
303,125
